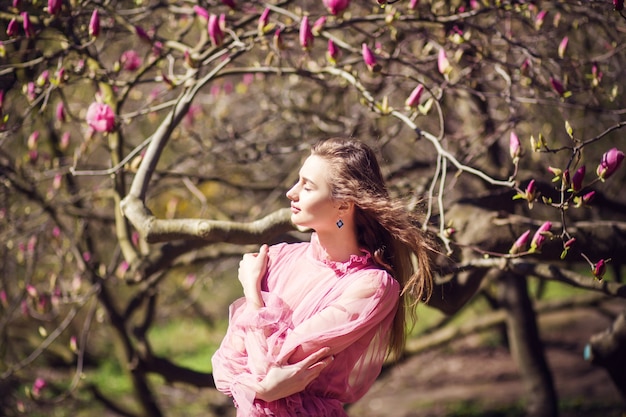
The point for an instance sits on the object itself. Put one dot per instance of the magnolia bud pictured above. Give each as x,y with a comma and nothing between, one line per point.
369,58
333,52
520,243
562,47
336,7
306,35
414,99
443,64
540,236
610,162
515,147
599,269
577,179
94,24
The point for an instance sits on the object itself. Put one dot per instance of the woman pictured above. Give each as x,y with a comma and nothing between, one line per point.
318,318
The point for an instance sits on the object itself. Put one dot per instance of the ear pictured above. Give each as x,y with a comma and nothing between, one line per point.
345,207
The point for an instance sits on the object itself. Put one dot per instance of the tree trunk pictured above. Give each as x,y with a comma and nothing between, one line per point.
608,349
526,347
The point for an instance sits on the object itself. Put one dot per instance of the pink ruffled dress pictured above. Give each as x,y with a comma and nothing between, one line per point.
310,303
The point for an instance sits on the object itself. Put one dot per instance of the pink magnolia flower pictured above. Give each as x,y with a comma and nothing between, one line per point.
618,5
611,160
306,35
333,52
38,386
599,269
278,40
557,172
369,58
32,291
230,3
57,181
531,191
28,27
54,6
60,112
557,86
59,76
588,197
336,7
31,91
520,243
563,47
100,117
515,147
596,75
413,4
539,237
201,11
142,34
577,179
318,25
215,32
264,19
443,64
74,344
130,60
33,138
65,141
94,24
567,246
12,28
541,16
414,98
43,78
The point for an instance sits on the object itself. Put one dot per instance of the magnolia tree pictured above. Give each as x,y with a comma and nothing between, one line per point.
145,145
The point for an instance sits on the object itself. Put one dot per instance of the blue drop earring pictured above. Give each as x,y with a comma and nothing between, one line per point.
339,223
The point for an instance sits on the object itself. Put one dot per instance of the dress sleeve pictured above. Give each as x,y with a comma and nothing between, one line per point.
258,339
249,348
360,308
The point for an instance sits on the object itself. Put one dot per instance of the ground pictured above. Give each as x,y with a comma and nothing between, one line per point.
470,378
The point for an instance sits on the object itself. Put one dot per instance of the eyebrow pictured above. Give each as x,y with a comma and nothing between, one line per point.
308,180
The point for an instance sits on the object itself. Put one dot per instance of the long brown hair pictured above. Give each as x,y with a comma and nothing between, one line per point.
384,226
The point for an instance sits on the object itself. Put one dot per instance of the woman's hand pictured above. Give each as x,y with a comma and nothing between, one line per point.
252,268
283,381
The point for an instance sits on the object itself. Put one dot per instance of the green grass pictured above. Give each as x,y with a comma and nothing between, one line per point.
189,343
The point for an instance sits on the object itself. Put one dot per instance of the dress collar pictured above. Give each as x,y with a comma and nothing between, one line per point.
318,254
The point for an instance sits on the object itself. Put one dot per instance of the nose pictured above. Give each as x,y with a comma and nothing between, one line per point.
292,193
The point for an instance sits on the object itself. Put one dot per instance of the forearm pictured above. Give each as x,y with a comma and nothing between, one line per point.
254,298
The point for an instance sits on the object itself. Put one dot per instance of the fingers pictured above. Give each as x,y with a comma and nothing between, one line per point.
261,253
320,357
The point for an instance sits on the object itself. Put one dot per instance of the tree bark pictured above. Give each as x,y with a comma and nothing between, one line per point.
608,349
526,347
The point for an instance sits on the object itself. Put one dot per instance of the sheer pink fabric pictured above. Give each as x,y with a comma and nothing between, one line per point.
310,303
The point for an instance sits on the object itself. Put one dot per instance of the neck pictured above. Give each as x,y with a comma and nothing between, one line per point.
340,245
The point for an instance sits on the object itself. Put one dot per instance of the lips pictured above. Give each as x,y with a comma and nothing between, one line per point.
295,209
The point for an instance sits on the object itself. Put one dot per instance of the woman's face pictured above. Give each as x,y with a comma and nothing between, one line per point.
311,202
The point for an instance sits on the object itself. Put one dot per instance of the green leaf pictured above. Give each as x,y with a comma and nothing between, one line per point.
568,128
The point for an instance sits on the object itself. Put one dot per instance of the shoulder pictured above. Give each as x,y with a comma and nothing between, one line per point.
281,250
372,281
286,247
